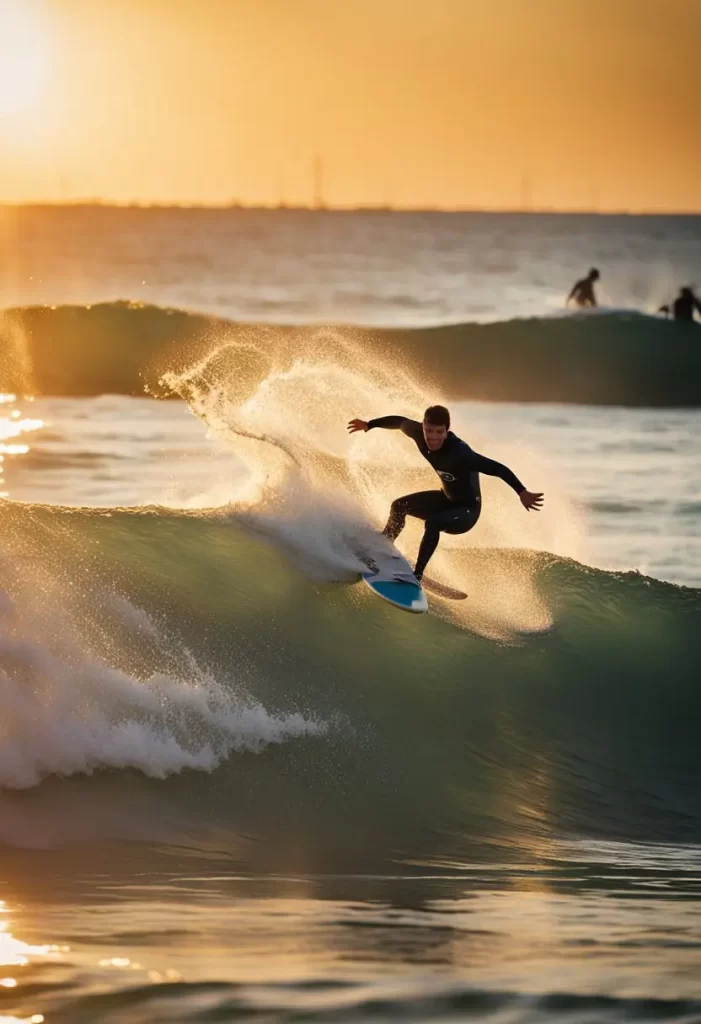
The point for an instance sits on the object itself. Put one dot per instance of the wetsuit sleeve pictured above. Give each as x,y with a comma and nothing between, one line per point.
481,464
412,428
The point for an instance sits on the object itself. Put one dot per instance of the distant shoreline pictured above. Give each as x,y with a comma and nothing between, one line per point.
88,204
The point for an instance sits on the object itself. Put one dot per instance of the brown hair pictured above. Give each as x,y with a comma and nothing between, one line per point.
438,415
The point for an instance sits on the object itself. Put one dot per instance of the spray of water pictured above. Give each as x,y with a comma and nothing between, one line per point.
321,493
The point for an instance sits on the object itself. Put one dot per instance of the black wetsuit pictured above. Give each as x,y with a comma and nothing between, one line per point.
455,508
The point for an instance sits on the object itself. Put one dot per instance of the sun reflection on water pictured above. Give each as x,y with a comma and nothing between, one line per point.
16,953
17,956
36,1018
12,425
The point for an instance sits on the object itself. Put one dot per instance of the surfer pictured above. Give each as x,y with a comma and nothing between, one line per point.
683,306
583,291
455,508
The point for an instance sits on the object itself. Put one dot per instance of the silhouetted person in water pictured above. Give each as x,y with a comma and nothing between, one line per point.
583,291
683,306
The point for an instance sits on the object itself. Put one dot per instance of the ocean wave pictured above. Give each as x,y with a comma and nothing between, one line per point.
615,358
415,999
200,688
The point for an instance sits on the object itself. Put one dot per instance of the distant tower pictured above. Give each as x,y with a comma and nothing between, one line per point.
525,193
318,201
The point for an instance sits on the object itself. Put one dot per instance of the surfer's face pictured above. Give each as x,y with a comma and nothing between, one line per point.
434,436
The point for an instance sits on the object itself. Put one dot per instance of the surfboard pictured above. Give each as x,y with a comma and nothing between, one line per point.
390,576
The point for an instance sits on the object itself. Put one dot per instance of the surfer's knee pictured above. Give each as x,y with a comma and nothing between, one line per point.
399,509
462,521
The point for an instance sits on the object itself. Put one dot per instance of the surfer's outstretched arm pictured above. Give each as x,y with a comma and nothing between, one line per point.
388,422
490,467
409,427
480,463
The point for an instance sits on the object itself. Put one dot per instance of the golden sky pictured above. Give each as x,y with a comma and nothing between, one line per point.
450,103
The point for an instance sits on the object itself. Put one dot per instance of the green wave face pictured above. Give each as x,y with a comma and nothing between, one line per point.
181,677
125,348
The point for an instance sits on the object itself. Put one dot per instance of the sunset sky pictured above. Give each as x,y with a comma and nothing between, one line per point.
445,103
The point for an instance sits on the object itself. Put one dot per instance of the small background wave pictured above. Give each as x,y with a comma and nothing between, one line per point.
124,348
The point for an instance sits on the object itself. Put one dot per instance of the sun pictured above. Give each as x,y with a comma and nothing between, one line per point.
23,57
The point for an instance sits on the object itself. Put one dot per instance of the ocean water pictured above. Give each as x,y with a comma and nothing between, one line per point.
378,267
234,785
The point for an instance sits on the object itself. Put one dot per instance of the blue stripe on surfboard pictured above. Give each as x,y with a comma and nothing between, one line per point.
408,596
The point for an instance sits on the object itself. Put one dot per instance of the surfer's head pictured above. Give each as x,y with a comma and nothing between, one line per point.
436,426
594,274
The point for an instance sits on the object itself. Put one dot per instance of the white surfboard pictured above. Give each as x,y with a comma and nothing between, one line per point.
390,576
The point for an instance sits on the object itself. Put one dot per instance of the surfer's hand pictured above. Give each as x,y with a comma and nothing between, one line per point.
356,425
529,500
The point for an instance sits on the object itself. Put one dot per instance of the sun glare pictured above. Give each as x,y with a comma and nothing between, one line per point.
23,57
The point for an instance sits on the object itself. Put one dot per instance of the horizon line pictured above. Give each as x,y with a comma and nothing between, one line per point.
126,204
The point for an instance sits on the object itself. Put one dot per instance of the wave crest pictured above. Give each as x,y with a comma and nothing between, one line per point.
618,358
